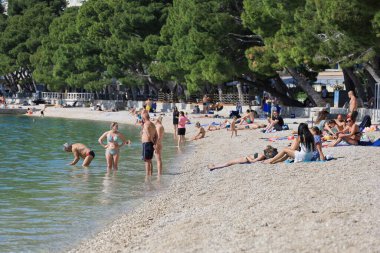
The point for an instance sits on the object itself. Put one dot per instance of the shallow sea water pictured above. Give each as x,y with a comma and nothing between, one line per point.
49,206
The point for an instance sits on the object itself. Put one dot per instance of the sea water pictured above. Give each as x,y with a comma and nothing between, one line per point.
47,205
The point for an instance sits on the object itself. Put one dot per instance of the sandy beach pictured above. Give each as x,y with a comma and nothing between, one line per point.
304,207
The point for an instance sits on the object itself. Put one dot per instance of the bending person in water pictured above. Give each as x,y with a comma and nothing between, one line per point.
115,140
79,150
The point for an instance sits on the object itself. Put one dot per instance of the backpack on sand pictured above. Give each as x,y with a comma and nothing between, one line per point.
366,122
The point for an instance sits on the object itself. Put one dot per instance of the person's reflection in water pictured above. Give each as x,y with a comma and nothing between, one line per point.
108,184
80,172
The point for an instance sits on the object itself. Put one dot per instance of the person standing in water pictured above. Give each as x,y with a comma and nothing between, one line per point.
158,146
115,140
182,127
175,121
148,140
80,150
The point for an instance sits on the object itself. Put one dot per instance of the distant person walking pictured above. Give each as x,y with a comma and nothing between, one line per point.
115,140
353,102
158,146
80,150
182,127
175,121
148,140
324,92
148,105
233,127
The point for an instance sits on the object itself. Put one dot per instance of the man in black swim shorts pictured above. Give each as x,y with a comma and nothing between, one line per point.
148,140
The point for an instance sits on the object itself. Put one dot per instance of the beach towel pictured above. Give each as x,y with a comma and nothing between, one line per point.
369,143
312,161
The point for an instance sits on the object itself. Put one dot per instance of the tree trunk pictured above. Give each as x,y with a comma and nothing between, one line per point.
220,92
146,89
358,84
303,83
240,93
134,93
373,73
370,84
348,83
287,101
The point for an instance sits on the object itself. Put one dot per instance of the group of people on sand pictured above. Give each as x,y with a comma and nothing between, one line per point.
112,141
307,146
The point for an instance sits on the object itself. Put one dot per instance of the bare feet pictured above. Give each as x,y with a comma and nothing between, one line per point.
211,167
268,161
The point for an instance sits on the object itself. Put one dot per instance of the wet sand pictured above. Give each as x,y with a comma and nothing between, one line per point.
304,207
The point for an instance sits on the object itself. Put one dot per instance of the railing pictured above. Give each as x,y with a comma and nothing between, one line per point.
68,96
167,97
228,98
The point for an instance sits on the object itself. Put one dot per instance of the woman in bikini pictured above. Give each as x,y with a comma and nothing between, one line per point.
350,134
115,140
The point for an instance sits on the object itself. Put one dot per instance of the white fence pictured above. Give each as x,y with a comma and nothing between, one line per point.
68,96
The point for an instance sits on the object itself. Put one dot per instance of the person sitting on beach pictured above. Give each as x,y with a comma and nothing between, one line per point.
268,153
340,122
200,133
275,123
350,134
321,119
225,125
115,140
29,111
318,153
331,128
248,117
304,141
138,118
132,111
3,101
80,150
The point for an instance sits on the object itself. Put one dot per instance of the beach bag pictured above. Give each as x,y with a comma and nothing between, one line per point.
270,152
366,122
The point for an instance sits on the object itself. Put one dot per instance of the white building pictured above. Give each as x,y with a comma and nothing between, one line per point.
75,2
71,3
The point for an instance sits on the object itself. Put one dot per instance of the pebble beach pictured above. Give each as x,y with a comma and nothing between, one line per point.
329,206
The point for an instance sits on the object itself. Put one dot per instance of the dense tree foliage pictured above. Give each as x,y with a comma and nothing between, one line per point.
308,35
201,44
196,44
20,39
18,7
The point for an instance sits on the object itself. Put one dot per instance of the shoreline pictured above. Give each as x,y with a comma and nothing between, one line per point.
304,207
